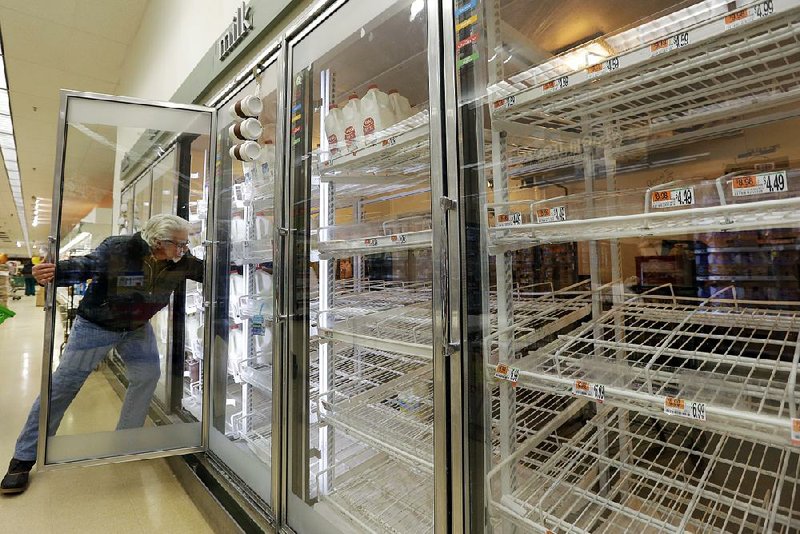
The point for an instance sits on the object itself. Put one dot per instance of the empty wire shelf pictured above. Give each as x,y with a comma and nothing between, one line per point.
628,472
739,360
382,495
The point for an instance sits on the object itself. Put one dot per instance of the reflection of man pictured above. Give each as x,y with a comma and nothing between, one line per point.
30,281
132,278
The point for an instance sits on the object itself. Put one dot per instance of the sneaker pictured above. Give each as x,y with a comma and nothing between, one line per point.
16,480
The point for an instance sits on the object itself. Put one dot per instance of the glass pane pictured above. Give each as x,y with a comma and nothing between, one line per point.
361,440
109,287
633,305
125,222
141,202
241,432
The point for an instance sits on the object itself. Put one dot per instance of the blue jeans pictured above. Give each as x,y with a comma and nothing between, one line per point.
88,345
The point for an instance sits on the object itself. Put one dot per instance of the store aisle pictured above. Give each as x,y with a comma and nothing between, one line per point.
141,496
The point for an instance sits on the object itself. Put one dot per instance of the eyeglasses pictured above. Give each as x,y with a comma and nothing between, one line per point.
178,244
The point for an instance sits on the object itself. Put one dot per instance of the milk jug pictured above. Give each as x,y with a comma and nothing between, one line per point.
400,106
334,129
376,110
351,115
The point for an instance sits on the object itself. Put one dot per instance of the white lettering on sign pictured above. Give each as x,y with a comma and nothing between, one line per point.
242,25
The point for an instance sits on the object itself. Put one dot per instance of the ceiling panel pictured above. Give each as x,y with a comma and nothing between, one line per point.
50,45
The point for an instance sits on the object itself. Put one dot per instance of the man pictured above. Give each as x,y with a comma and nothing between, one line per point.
132,278
30,281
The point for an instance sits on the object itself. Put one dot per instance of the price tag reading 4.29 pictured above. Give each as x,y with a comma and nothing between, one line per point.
548,215
509,219
759,184
595,392
672,198
691,410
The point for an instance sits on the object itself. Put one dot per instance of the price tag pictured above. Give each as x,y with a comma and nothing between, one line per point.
372,242
548,215
504,372
609,65
749,14
672,198
669,44
398,239
257,325
505,103
796,432
509,219
389,142
758,184
595,392
691,410
556,85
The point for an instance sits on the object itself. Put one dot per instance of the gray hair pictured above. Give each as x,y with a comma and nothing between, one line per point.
163,227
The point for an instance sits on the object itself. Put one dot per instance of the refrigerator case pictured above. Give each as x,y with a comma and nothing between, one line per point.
361,334
642,394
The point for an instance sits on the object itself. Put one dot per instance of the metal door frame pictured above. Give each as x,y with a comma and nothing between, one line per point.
54,240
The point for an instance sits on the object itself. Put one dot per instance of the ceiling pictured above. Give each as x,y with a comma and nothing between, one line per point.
49,45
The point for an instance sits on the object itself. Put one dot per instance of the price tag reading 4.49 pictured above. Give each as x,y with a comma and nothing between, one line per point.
672,198
691,410
504,372
758,184
587,389
556,85
548,215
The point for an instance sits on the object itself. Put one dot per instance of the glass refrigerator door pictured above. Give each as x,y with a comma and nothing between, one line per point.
360,400
630,180
242,391
123,281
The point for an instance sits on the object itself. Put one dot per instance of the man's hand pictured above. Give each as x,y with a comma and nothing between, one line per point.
44,272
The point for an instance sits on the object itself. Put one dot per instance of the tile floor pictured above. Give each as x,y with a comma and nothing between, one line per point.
142,496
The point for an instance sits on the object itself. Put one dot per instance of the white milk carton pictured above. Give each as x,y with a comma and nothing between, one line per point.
265,164
376,110
351,115
334,129
400,106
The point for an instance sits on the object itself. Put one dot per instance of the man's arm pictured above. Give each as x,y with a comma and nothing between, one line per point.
195,268
74,270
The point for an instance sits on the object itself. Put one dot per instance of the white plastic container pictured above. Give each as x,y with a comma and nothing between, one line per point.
263,283
249,106
351,118
248,129
334,129
400,106
247,151
376,112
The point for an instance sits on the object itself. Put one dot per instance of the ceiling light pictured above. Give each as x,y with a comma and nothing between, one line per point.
5,124
7,140
416,8
9,154
75,241
5,107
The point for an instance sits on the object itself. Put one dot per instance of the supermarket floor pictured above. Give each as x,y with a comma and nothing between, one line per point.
142,496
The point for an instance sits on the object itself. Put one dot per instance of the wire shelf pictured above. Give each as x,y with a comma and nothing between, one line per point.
395,418
382,495
703,206
712,72
629,472
739,359
406,329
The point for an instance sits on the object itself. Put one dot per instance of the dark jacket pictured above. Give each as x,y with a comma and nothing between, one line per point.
128,287
27,269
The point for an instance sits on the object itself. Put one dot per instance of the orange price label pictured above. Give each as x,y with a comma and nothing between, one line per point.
796,432
505,372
